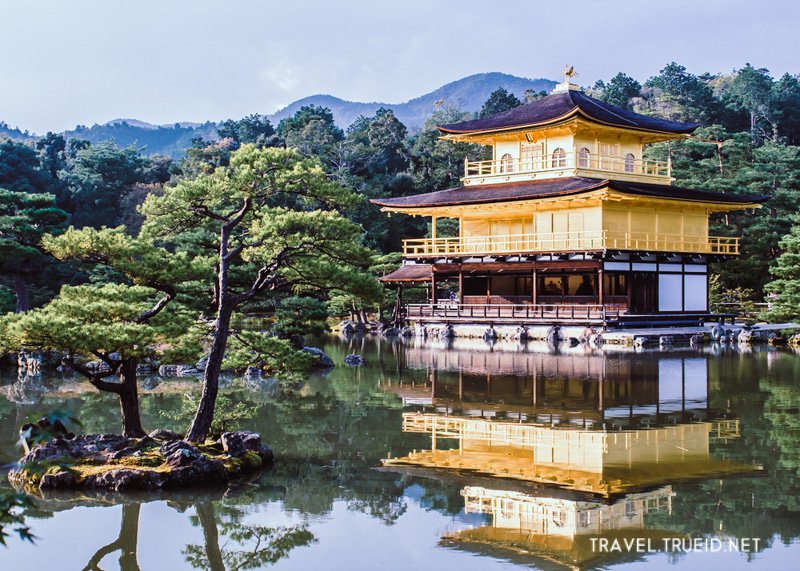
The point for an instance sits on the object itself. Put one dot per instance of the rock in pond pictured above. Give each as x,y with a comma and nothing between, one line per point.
354,360
178,371
323,362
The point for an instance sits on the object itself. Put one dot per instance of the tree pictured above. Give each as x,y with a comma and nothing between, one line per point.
313,132
619,90
678,95
784,290
100,178
500,100
786,108
752,90
20,170
437,164
24,219
253,129
116,324
276,230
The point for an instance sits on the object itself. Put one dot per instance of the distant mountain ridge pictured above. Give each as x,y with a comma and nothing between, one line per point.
470,93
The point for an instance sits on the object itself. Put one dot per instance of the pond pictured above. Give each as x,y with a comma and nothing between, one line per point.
461,455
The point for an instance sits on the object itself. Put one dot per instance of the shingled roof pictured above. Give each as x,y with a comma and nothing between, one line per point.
409,273
547,188
562,105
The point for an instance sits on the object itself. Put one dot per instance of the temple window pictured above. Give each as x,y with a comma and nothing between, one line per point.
530,155
629,161
559,158
507,163
583,157
608,155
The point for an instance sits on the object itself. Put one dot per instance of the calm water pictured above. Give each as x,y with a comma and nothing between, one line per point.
459,455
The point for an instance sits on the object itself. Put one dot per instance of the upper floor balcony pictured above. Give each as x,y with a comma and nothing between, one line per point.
561,163
581,241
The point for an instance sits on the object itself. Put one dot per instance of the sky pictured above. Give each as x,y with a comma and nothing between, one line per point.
71,62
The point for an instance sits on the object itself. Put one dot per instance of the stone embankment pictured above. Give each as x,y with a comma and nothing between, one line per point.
158,461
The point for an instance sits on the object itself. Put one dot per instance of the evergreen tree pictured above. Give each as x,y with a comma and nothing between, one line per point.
253,129
500,100
271,219
24,219
116,324
619,90
784,292
751,89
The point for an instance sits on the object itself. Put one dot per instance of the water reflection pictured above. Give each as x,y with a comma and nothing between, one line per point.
563,448
530,383
556,446
563,530
229,542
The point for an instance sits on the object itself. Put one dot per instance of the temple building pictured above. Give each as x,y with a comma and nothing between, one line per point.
568,214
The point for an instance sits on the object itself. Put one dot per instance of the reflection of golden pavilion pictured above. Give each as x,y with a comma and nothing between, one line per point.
562,517
594,461
531,384
562,529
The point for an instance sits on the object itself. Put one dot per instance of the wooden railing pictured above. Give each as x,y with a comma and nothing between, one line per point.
507,311
569,242
567,161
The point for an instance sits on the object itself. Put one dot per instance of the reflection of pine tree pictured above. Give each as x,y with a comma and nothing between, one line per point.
126,543
260,545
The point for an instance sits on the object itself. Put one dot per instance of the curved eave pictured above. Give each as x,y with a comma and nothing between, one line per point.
554,122
604,190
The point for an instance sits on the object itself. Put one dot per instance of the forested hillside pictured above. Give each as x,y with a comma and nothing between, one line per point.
468,93
748,144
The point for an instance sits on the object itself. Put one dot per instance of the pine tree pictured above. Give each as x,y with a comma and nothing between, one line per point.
24,219
784,292
272,221
116,325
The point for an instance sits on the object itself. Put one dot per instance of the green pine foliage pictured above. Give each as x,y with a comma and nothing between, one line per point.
784,291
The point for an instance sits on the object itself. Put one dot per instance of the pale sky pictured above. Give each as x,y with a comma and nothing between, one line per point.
70,62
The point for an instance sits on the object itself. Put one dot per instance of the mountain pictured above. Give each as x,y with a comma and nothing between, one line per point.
470,93
14,134
157,139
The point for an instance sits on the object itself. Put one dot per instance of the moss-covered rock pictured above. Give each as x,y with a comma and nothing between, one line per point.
116,463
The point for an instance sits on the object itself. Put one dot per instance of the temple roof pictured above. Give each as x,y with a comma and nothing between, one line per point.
409,273
547,188
560,106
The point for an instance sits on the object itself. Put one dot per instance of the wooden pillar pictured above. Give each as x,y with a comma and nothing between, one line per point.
433,228
533,289
488,288
629,288
460,286
433,287
600,286
400,312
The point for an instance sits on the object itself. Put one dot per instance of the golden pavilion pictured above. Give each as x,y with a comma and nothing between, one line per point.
567,216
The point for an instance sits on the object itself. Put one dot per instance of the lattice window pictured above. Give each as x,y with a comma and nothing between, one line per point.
531,155
608,155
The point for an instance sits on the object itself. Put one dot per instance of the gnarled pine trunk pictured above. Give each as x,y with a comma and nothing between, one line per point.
201,424
129,400
21,292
